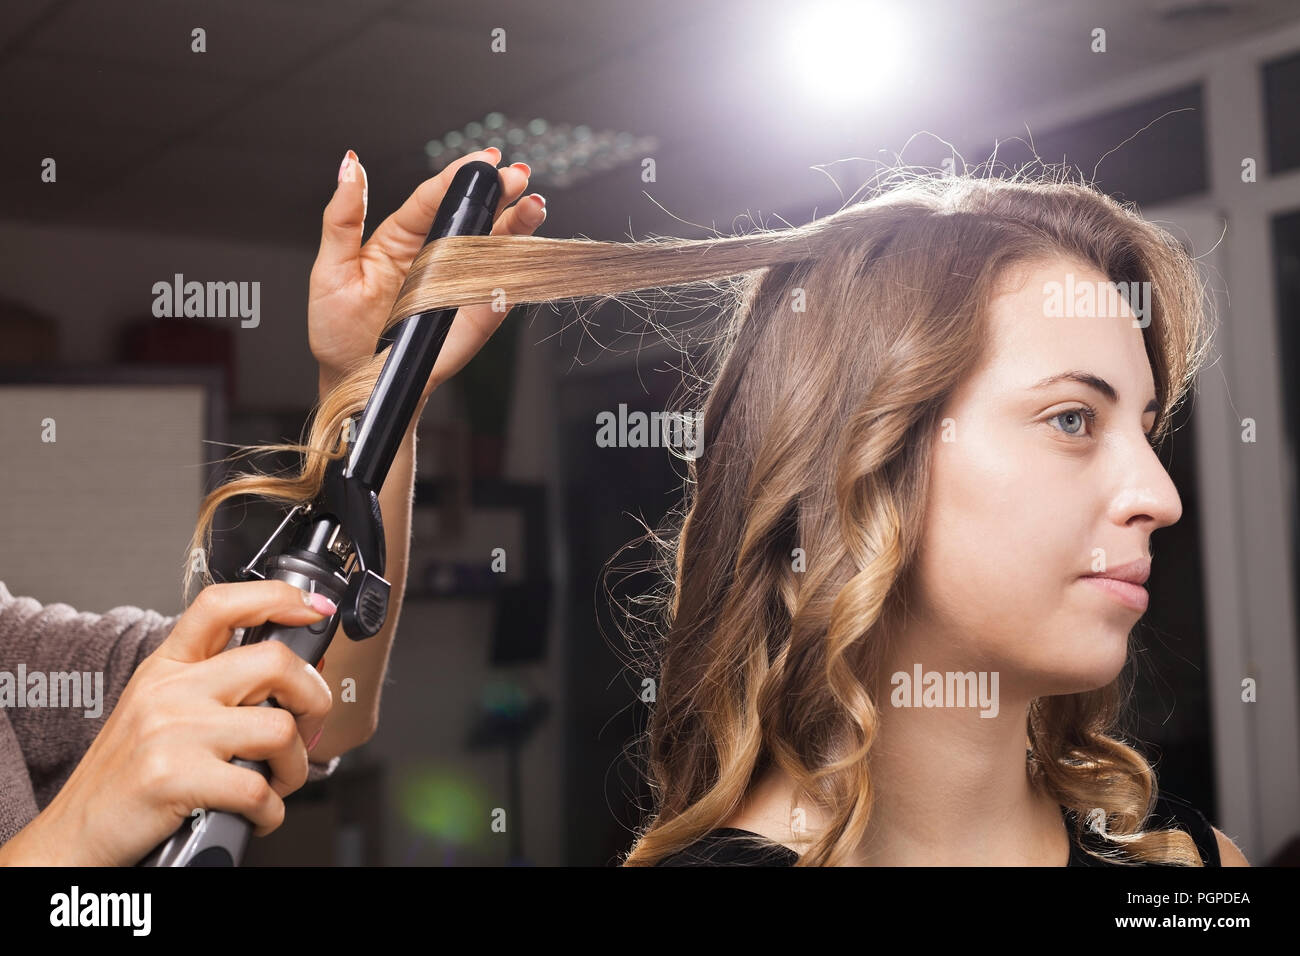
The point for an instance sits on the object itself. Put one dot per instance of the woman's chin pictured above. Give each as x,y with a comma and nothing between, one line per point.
1097,664
1088,659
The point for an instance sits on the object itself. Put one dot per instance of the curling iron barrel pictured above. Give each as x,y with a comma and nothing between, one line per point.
344,522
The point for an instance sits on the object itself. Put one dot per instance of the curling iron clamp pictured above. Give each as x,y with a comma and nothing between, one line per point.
344,520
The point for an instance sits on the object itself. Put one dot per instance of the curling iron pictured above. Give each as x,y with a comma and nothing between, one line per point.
344,520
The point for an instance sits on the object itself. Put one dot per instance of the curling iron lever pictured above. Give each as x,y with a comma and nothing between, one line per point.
344,522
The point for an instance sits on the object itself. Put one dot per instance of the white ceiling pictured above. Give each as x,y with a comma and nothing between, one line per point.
244,140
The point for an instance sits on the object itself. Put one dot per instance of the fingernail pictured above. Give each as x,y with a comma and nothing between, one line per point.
319,602
528,170
315,740
542,199
346,169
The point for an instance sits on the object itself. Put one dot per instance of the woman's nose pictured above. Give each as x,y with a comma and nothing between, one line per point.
1148,492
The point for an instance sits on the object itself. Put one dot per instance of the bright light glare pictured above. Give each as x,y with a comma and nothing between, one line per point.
846,51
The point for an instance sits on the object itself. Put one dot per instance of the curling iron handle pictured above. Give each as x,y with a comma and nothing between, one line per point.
219,837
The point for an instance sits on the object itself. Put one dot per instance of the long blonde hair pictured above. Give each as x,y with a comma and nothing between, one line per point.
815,435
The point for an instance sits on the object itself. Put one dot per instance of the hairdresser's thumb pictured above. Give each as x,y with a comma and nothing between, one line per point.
345,215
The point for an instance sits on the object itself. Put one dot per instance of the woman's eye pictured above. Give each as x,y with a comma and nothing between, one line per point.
1073,420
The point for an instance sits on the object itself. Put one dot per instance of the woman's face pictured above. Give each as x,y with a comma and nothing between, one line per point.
1028,495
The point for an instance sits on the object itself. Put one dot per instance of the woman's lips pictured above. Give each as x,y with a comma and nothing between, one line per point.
1134,596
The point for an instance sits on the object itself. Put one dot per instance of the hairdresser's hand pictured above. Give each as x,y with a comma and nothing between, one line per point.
164,750
353,287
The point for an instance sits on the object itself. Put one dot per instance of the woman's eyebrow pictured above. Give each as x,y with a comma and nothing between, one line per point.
1094,382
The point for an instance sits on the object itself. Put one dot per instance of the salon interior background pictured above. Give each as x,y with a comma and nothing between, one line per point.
216,165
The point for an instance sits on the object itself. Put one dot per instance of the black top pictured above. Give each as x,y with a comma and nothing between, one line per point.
731,846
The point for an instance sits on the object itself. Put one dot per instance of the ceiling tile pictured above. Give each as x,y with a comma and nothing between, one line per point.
247,38
107,91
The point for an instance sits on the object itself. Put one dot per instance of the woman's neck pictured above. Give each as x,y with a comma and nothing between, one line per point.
953,789
949,789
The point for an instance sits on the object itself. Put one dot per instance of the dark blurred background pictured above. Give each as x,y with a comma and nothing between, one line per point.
149,139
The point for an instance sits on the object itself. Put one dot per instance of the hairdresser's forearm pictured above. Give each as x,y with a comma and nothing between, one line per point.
25,848
352,722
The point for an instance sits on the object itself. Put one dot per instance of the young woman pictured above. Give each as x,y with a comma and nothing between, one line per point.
930,470
106,790
927,449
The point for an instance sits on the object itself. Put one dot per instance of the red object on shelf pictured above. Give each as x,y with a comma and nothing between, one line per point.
180,342
29,337
487,455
